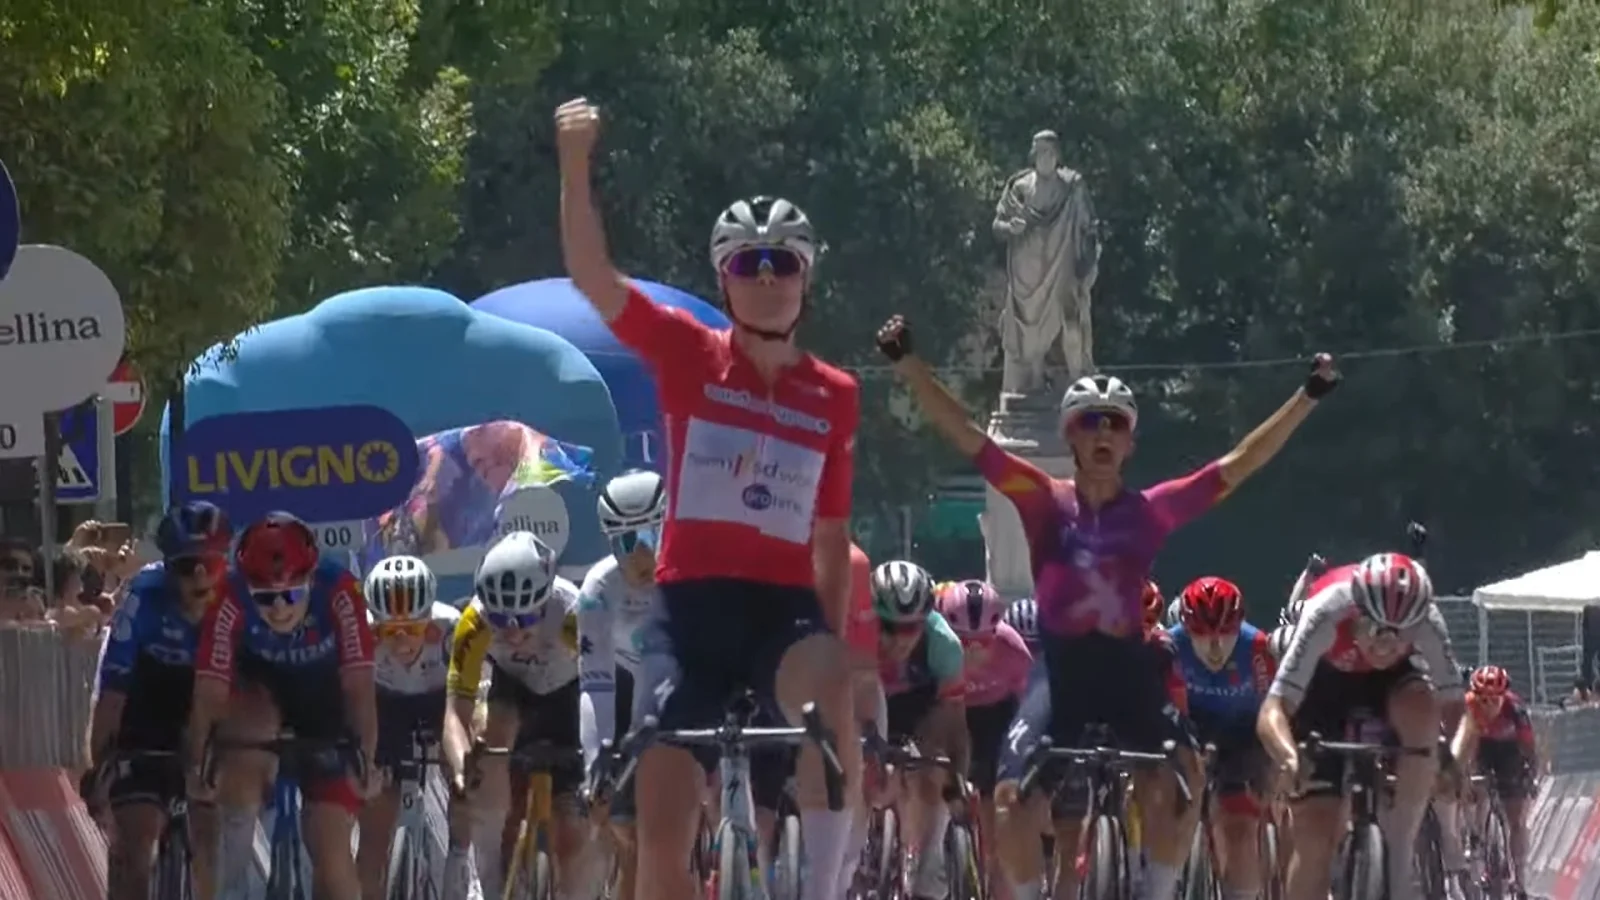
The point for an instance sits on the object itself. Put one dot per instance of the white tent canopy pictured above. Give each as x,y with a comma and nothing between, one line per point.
1565,587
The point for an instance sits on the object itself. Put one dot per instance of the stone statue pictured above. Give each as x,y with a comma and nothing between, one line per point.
1047,222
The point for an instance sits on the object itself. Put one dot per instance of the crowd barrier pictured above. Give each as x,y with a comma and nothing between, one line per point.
1564,838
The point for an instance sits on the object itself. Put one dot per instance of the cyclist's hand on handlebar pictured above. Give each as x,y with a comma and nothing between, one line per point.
195,783
894,339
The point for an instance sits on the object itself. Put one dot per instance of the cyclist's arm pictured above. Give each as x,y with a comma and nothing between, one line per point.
597,668
583,242
1432,643
118,656
220,633
1312,639
471,644
1262,444
948,719
357,674
1464,742
942,409
830,534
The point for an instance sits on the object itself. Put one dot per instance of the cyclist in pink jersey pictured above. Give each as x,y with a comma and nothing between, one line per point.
1091,542
995,672
754,565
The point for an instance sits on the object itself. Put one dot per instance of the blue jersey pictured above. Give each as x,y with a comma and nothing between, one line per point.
1231,695
334,632
148,627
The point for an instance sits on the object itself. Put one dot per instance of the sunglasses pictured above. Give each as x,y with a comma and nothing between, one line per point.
901,629
513,620
628,541
401,628
1101,420
186,566
270,599
754,261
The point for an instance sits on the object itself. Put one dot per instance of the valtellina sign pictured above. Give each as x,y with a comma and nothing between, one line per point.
323,465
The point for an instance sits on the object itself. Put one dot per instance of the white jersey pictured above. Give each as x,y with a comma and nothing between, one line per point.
426,673
611,617
1333,630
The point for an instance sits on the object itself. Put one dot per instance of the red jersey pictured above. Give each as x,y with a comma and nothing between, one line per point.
334,632
1511,724
751,464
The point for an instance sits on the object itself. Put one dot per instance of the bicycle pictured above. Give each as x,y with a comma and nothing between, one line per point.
1199,879
531,873
883,872
172,878
285,877
1360,864
737,875
1109,874
1489,853
411,859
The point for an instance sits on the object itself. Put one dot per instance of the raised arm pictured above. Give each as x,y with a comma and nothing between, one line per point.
941,409
1262,444
583,238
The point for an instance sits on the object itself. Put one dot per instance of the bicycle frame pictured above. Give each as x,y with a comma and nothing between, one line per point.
533,837
411,778
738,819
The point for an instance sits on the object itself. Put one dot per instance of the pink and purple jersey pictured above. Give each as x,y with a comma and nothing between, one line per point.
1089,566
995,666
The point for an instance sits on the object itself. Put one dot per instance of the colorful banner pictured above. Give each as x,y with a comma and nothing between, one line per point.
470,480
1564,838
323,465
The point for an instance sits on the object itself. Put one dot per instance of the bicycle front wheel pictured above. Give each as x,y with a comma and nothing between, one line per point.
1362,865
735,879
786,862
1199,872
1271,871
1430,856
171,879
403,868
1108,875
962,872
1496,880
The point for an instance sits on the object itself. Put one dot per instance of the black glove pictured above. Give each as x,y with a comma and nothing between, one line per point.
1316,565
1318,383
894,338
1417,536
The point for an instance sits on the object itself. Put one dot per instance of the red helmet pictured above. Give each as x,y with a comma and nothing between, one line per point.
1212,606
971,607
1490,681
1152,603
1392,590
278,553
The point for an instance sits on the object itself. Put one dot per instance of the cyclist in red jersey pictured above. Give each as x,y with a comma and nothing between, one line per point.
1091,542
754,564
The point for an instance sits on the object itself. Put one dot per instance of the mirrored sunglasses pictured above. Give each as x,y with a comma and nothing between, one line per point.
628,541
754,261
513,620
1101,420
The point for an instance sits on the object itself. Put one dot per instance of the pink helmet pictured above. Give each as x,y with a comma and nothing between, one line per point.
971,607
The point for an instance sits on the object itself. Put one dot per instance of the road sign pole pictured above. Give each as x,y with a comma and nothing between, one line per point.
105,506
46,467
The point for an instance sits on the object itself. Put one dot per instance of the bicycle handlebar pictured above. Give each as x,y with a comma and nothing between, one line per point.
1046,755
538,755
1314,745
614,768
909,758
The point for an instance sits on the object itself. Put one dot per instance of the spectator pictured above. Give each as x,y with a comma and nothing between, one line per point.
18,560
20,601
67,577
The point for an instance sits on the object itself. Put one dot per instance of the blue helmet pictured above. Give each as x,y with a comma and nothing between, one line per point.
196,528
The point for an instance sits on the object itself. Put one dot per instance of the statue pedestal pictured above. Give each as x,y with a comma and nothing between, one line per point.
1026,425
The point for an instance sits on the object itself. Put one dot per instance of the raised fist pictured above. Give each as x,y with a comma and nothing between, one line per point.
577,128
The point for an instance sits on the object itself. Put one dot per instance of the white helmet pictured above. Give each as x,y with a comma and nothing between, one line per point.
401,587
762,222
902,592
1023,617
516,574
632,500
1392,590
1105,392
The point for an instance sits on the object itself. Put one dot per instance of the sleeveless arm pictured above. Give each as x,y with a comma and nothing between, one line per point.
597,668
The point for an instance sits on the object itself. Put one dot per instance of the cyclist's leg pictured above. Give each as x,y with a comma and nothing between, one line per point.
490,798
681,681
139,807
986,731
1515,783
243,777
800,661
1315,819
940,730
1018,822
553,717
312,702
1240,765
770,768
872,706
398,716
1414,716
622,805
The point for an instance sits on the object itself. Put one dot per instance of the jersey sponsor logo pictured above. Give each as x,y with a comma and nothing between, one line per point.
736,475
783,415
298,654
347,623
222,636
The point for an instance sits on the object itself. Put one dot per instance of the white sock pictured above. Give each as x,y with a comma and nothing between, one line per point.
236,851
1240,895
854,847
1399,826
458,882
488,826
826,835
1450,847
929,877
1030,890
1160,881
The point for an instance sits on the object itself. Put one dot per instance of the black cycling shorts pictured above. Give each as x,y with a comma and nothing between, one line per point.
1508,769
154,716
1090,680
726,636
909,709
986,731
542,718
402,715
310,702
1335,702
1240,765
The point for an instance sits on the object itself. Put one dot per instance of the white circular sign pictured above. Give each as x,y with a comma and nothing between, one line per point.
538,509
61,328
